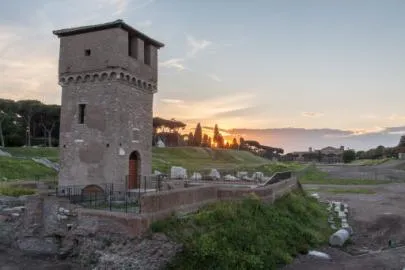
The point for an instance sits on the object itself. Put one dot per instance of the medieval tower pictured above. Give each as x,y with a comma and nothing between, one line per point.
108,73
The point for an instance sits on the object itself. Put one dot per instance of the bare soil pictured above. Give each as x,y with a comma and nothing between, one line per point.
378,221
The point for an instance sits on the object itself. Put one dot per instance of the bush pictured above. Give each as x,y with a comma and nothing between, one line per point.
15,191
247,234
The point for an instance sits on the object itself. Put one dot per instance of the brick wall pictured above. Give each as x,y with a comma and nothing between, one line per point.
157,206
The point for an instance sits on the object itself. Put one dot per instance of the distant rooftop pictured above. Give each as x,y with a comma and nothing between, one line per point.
103,26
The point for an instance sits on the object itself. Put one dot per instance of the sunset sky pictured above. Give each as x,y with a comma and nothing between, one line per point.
241,64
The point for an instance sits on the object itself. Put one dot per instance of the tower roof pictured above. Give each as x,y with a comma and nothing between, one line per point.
103,26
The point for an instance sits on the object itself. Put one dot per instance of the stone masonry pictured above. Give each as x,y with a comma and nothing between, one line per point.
108,74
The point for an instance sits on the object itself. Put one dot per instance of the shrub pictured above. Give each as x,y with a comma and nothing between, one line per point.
15,191
247,234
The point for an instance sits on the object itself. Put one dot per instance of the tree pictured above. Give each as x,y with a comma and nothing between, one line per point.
234,144
205,141
190,139
27,109
242,143
379,152
7,115
216,134
209,142
49,120
402,141
220,141
198,135
349,156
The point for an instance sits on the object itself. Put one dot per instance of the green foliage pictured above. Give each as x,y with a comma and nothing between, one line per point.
30,152
312,175
349,156
15,168
198,135
15,191
351,191
197,158
247,234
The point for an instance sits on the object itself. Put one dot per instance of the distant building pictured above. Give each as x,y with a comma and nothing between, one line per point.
325,155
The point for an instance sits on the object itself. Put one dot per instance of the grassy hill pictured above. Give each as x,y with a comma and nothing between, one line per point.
192,158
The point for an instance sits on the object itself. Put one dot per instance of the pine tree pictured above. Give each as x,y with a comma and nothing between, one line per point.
220,142
216,134
205,141
190,141
234,144
198,135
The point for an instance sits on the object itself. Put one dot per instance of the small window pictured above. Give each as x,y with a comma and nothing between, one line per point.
87,52
135,134
146,51
133,46
82,112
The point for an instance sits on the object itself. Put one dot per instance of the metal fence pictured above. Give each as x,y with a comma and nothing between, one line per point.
110,196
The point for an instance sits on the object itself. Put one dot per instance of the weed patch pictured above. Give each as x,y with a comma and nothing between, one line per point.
351,191
15,191
247,234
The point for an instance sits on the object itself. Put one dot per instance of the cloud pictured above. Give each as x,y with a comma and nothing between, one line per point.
369,116
175,63
214,77
312,114
197,45
247,111
146,23
119,6
172,101
395,117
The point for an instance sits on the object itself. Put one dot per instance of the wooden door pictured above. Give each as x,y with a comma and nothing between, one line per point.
133,174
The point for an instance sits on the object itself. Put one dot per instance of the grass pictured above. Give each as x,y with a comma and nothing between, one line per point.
247,234
312,175
351,191
369,162
15,191
197,158
51,153
192,158
15,168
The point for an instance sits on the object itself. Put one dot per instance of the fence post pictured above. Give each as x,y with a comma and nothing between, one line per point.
110,195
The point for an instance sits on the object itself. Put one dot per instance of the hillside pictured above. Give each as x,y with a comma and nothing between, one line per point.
192,158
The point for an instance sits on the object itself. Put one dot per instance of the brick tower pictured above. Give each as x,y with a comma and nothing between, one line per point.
108,73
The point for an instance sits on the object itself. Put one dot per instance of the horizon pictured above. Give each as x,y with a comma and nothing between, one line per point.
334,67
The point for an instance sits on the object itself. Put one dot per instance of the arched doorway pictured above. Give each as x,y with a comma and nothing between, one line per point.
133,171
93,195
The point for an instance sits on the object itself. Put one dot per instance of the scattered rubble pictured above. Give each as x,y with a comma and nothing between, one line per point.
319,254
214,174
196,176
178,173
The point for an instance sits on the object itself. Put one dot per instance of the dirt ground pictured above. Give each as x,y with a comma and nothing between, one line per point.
375,218
13,260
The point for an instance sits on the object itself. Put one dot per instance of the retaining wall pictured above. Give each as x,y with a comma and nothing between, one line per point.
154,206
